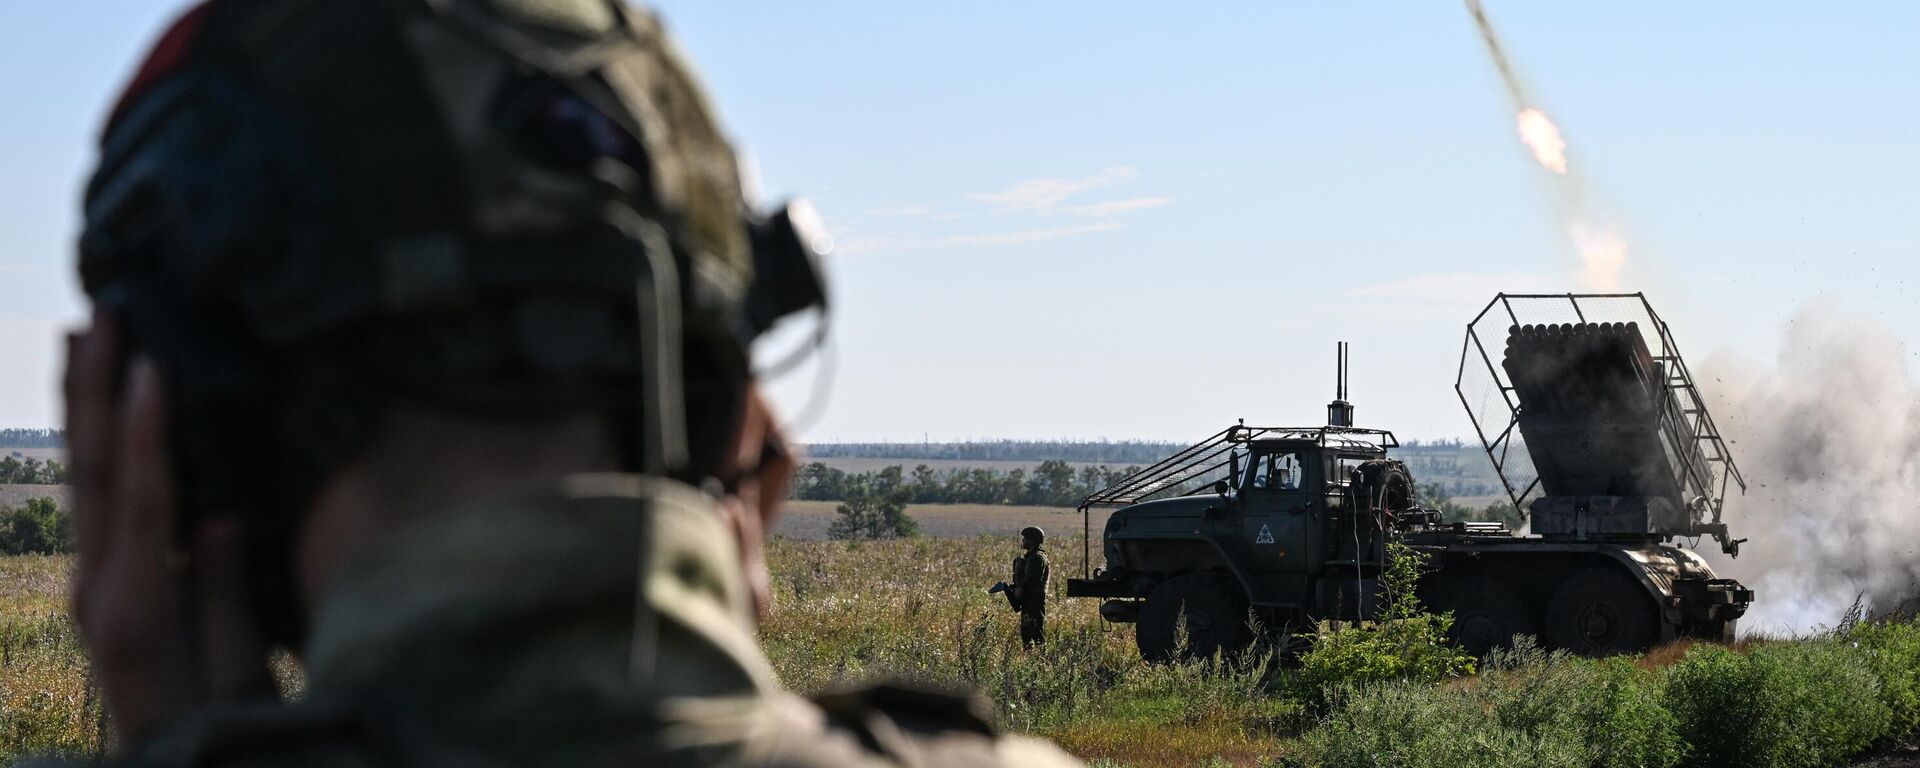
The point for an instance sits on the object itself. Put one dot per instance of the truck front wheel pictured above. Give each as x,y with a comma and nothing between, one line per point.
1212,608
1487,613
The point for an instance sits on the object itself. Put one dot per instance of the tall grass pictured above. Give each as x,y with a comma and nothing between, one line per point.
916,610
48,704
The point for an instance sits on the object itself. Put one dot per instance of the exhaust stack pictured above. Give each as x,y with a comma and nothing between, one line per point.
1340,412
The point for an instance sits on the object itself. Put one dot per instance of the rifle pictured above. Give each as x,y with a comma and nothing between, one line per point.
1000,587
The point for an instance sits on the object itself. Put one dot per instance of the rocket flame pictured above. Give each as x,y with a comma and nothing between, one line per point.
1543,137
1602,250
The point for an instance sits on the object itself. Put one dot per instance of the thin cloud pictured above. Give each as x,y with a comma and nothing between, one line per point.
973,240
1044,194
1117,207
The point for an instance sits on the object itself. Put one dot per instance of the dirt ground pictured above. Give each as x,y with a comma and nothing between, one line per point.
1906,757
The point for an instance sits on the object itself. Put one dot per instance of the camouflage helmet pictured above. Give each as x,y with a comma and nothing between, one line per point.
492,185
427,191
1034,534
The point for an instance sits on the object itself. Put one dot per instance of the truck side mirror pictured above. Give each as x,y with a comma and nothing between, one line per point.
1221,487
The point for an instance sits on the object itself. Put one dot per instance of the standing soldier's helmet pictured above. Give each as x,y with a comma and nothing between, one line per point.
1032,536
306,211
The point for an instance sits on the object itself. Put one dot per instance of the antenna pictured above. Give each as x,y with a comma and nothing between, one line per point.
1340,363
1340,412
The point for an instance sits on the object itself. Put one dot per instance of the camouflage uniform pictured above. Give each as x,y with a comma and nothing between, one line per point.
1030,574
518,634
461,188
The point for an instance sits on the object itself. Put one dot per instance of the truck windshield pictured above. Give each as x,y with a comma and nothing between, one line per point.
1277,472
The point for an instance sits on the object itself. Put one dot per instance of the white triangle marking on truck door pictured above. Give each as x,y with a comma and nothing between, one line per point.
1265,537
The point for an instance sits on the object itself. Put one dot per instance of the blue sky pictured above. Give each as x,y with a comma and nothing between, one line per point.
1107,220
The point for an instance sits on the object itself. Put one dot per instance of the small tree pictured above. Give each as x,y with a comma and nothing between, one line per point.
926,485
866,514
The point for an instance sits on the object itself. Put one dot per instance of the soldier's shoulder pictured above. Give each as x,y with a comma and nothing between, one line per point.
913,725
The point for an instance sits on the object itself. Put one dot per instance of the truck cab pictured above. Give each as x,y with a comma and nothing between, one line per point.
1290,523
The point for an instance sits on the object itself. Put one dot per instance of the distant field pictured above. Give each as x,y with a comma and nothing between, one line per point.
59,454
16,495
808,520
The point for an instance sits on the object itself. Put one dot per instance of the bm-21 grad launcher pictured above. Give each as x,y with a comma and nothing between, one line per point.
1599,436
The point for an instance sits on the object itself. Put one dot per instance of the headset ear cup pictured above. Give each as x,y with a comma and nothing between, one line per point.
787,249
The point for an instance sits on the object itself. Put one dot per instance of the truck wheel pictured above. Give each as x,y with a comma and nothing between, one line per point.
1600,611
1214,611
1487,613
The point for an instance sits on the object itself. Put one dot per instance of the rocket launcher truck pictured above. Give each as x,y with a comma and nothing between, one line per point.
1600,439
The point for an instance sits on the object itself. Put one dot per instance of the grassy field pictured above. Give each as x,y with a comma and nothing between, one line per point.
43,454
808,520
16,495
849,612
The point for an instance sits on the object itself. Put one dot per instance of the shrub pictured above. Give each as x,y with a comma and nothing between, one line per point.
1393,724
1602,713
1784,705
1407,643
1893,651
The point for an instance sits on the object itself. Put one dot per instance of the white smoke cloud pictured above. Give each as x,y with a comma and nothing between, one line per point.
1829,440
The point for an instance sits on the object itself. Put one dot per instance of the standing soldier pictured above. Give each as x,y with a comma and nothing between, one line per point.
1030,586
419,349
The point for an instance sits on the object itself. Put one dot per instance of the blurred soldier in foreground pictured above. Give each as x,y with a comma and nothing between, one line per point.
420,348
1029,592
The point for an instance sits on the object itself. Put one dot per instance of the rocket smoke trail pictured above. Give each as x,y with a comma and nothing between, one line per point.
1603,252
1499,54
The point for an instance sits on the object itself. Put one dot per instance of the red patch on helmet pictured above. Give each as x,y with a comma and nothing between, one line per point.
167,57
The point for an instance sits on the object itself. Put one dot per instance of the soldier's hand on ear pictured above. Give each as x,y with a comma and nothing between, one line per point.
759,467
167,629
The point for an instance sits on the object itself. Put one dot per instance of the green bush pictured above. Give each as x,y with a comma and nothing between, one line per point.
1529,708
1785,705
1394,724
1407,643
1893,651
1604,713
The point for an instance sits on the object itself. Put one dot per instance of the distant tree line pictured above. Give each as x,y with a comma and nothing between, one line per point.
33,438
1054,483
39,527
1073,451
1443,444
32,471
